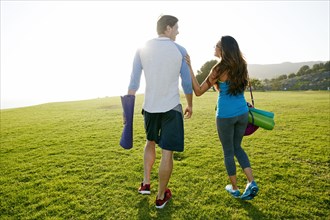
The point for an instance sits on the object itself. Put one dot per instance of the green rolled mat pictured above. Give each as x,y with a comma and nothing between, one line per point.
263,112
261,120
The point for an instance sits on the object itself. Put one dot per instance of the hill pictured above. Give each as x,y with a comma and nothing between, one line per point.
314,81
269,71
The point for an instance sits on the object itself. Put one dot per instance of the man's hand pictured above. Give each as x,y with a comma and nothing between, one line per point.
188,112
131,92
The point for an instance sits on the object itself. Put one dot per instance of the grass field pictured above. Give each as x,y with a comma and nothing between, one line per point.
63,161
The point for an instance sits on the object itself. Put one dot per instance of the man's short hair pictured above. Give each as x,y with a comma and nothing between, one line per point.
165,20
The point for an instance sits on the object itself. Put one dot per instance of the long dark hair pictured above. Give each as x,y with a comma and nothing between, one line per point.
233,63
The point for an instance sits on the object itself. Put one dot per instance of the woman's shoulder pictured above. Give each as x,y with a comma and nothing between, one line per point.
224,77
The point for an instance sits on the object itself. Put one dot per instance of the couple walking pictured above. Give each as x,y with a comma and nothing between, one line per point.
163,62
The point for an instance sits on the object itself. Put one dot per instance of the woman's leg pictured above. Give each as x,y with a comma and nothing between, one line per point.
225,127
240,154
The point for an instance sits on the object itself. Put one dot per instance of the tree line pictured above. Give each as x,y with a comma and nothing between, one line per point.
316,77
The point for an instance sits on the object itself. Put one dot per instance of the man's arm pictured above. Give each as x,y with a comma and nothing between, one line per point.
131,92
188,111
186,83
135,75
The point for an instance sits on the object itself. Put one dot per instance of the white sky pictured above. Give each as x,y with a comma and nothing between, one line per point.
74,50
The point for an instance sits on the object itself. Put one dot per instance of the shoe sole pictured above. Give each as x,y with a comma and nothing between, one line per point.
144,192
235,196
162,206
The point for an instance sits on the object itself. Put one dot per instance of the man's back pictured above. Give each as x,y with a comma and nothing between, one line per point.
161,61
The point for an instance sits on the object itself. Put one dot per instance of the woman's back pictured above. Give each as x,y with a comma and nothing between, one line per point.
230,105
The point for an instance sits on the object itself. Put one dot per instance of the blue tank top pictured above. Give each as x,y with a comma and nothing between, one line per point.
230,105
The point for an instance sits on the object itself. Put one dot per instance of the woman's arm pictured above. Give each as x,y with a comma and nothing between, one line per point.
206,85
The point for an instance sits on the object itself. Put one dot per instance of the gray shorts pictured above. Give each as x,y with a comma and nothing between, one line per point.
165,128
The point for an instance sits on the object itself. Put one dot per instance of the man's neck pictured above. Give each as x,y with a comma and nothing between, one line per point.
164,35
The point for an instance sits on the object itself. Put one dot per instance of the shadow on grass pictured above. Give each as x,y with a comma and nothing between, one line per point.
145,210
252,210
166,212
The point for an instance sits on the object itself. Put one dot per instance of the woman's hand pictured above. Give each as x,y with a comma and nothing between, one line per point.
188,61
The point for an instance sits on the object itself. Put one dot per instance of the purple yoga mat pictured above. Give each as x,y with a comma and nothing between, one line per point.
126,140
251,127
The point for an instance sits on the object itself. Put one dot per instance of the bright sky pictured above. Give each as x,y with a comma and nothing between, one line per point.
74,50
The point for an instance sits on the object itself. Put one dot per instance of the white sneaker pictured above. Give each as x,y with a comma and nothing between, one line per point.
234,193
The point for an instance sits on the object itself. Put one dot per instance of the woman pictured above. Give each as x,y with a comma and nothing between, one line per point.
230,77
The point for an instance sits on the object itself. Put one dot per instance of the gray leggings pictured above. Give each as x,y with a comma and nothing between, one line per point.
231,132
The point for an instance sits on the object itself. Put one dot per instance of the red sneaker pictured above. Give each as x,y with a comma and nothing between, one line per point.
160,203
144,189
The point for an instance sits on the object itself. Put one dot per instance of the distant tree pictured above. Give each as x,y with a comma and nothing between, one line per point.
205,70
266,81
276,84
327,66
256,84
266,84
303,70
291,75
316,78
281,77
318,68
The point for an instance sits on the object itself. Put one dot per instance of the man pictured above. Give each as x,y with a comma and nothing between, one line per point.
163,63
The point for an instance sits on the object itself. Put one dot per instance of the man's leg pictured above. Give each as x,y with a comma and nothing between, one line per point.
165,171
149,160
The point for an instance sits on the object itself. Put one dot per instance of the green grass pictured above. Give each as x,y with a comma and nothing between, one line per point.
63,161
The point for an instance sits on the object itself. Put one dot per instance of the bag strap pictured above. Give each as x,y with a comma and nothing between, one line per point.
252,117
251,92
252,101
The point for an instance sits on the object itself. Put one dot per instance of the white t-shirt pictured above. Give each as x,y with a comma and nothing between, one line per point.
162,61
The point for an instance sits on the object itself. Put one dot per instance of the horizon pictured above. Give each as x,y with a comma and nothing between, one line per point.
59,51
23,104
141,91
